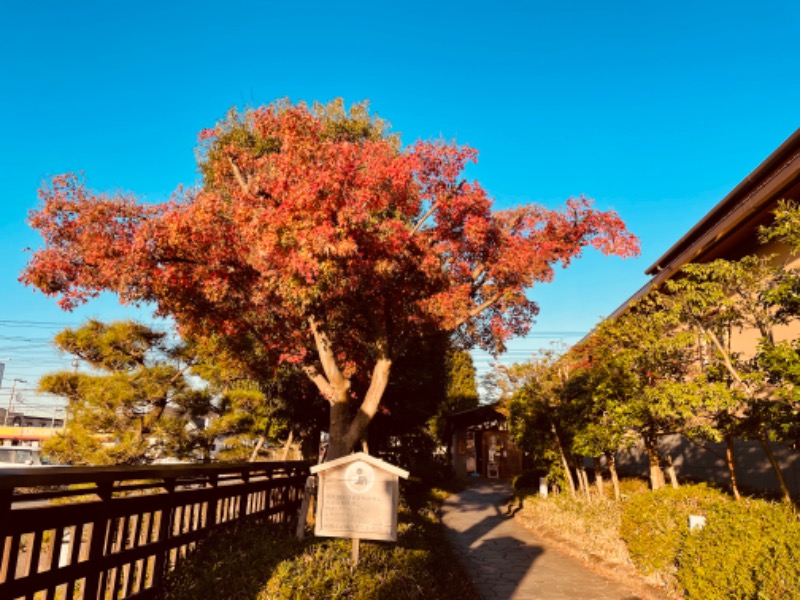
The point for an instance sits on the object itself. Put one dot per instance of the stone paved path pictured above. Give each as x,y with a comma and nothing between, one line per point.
507,561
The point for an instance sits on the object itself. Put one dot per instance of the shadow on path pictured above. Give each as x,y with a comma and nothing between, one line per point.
506,561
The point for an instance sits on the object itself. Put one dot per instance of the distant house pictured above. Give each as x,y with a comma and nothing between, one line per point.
27,429
481,445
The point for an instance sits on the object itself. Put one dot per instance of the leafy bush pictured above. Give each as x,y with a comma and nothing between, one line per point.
384,572
527,481
631,486
419,566
654,525
748,550
417,452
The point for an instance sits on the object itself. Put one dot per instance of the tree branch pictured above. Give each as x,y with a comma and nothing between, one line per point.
319,380
239,178
183,370
327,357
372,400
477,272
726,359
424,218
480,308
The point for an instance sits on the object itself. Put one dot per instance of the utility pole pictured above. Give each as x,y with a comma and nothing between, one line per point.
56,409
11,397
3,362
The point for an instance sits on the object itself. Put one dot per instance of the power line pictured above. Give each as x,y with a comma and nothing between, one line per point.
64,324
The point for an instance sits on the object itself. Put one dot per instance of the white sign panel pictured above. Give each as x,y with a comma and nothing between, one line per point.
358,498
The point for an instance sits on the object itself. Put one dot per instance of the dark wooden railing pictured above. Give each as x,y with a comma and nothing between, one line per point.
108,533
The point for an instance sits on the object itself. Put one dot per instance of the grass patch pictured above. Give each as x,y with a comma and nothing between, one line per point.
590,530
264,562
231,563
593,526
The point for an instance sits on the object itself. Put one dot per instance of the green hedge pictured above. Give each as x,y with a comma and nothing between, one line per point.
527,481
748,550
655,525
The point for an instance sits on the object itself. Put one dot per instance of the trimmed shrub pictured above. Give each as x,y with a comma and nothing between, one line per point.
527,481
747,550
631,486
654,525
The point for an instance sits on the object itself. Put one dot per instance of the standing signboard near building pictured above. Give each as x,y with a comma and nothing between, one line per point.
357,498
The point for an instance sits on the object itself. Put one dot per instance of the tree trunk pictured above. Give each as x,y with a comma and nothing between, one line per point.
564,463
287,446
583,480
656,473
579,478
612,468
730,459
585,477
598,477
257,449
345,430
786,496
673,477
338,444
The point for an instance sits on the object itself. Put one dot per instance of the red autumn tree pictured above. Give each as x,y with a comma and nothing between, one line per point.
316,239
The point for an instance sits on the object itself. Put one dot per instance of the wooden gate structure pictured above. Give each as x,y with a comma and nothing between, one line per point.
97,532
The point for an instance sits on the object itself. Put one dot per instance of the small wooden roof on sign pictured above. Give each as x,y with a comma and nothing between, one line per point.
375,462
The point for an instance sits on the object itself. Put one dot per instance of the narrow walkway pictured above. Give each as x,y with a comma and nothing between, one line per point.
507,561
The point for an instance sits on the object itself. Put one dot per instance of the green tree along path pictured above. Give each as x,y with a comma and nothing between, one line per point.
317,237
461,391
540,416
761,294
645,376
666,366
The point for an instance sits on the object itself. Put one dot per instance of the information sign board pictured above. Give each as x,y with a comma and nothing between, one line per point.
357,498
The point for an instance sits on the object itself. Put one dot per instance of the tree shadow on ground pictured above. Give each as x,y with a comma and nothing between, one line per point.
496,561
513,506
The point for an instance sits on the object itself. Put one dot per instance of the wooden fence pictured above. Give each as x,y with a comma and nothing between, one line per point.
108,533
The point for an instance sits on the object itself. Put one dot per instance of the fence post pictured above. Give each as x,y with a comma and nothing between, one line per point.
244,497
302,517
164,529
213,503
5,544
101,527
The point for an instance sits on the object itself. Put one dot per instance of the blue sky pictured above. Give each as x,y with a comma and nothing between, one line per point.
656,110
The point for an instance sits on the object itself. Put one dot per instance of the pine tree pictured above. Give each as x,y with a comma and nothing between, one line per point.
134,405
